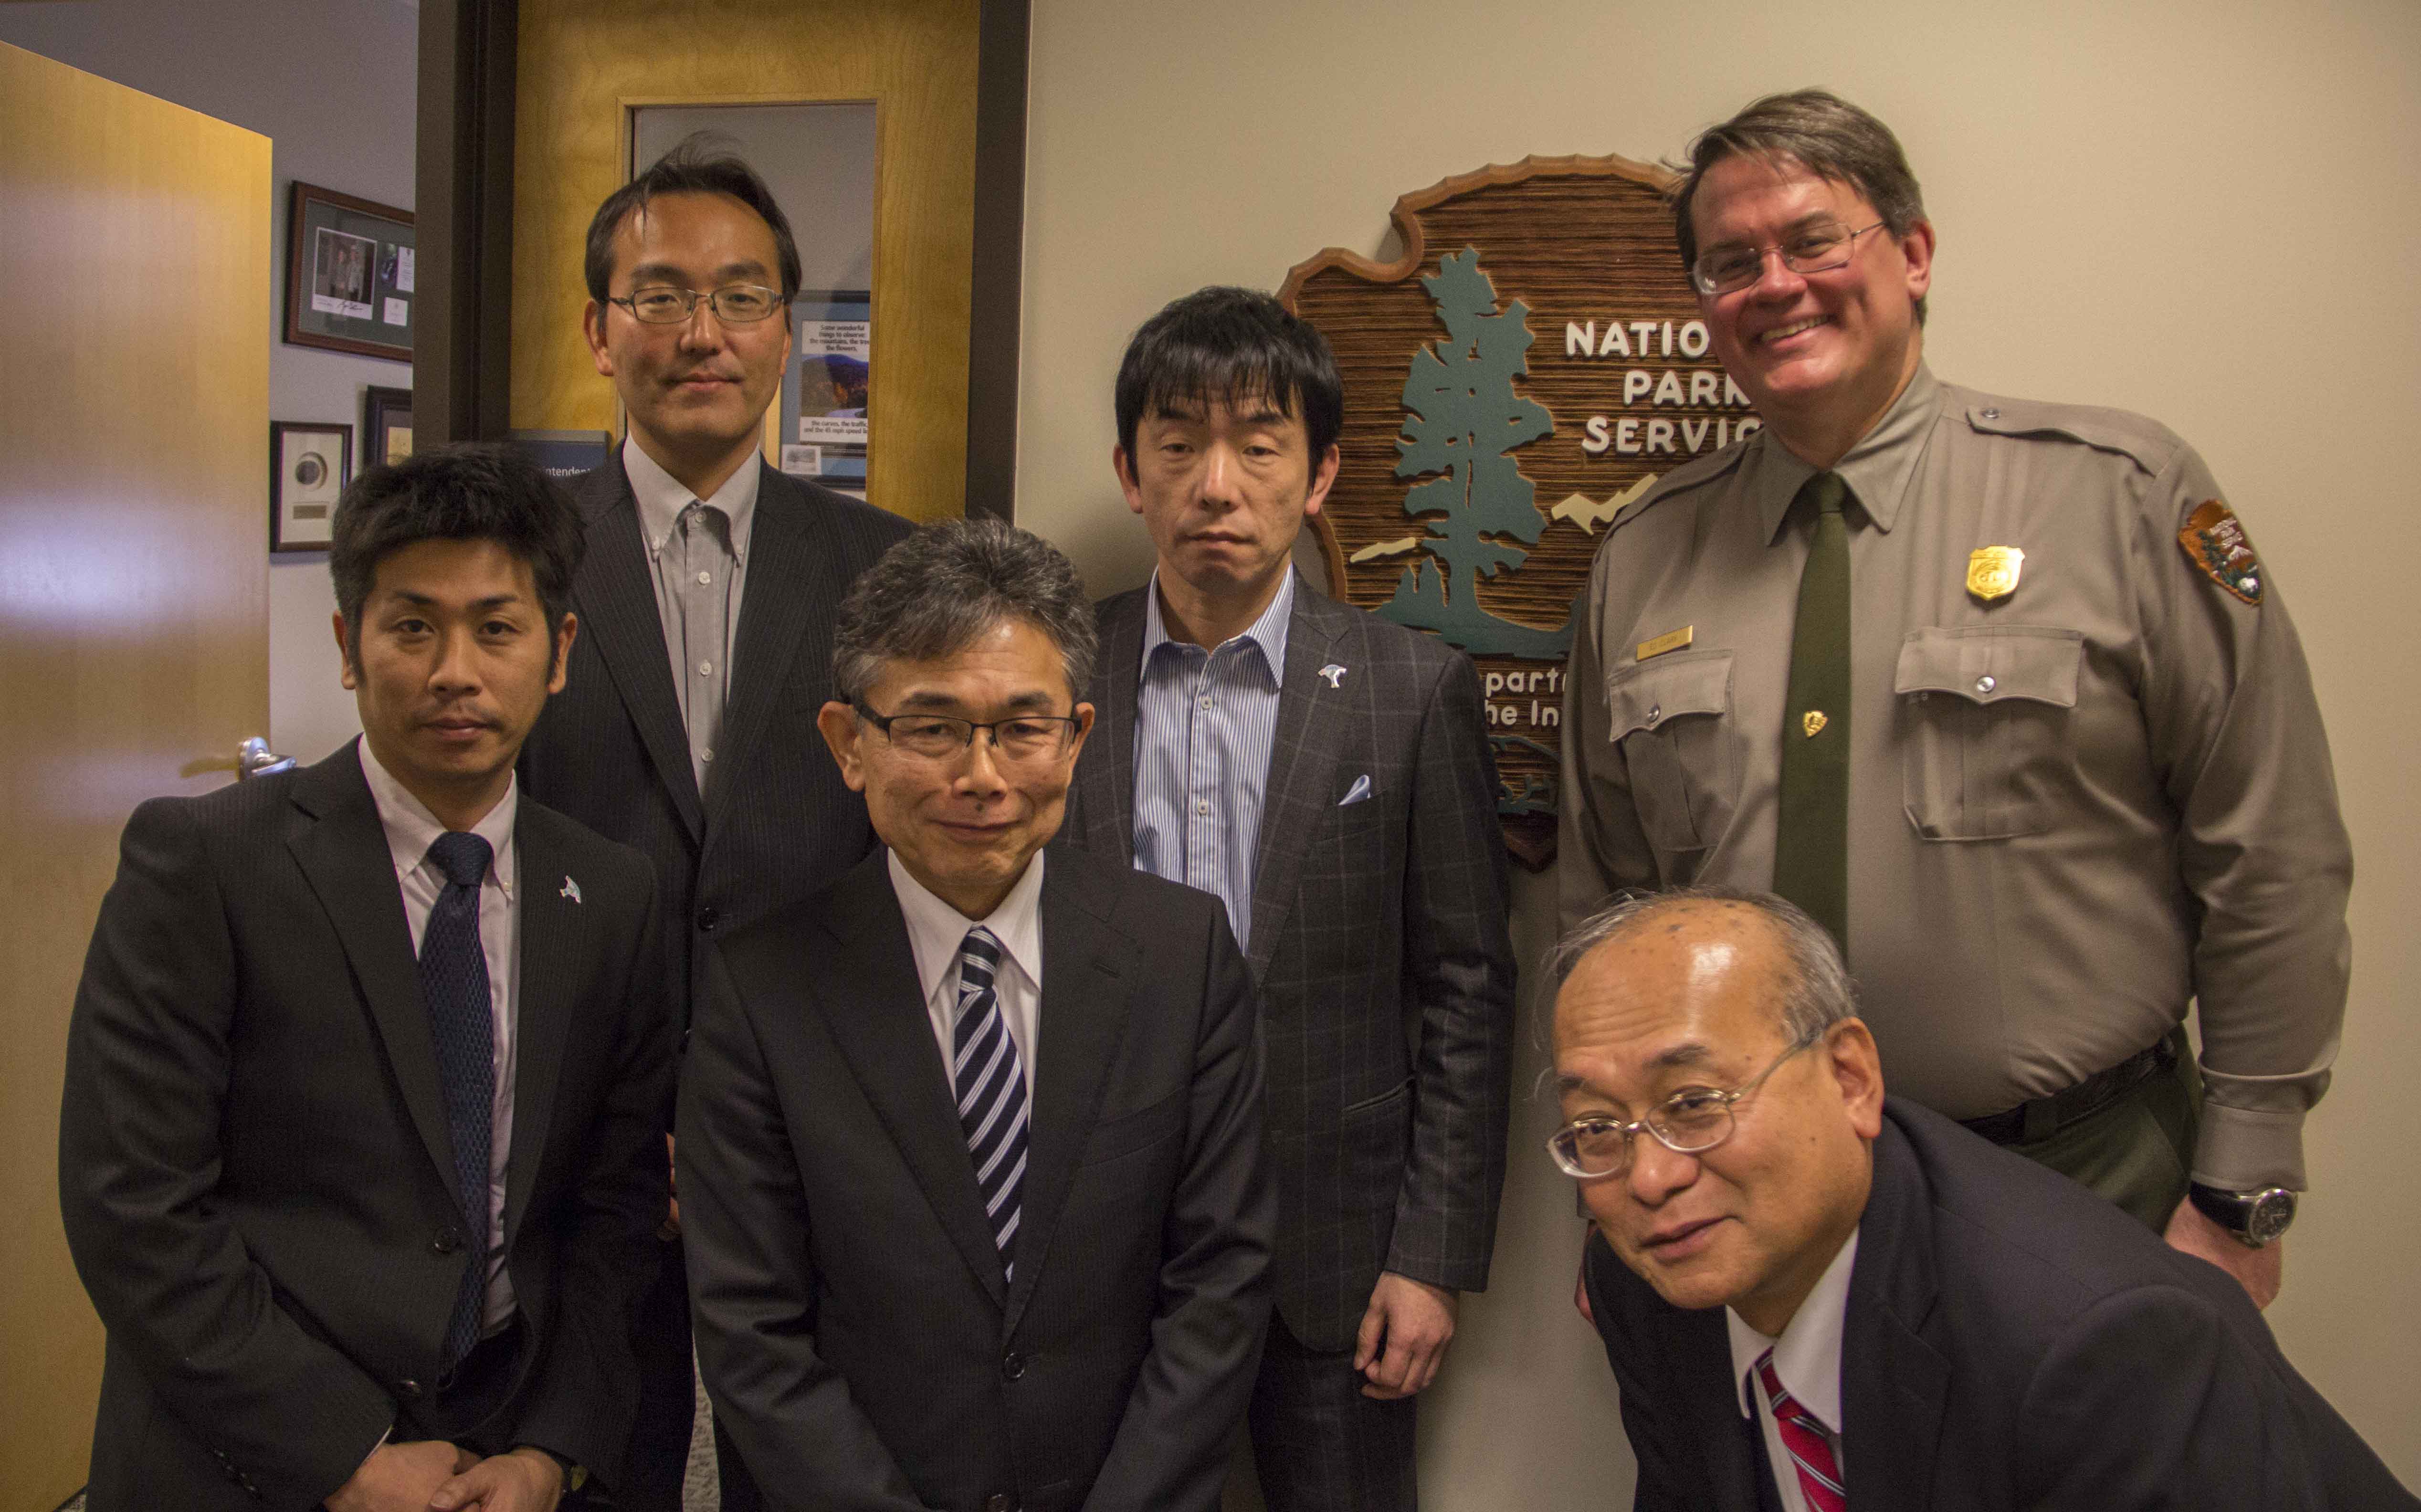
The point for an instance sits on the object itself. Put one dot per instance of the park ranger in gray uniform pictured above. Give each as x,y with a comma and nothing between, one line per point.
1996,689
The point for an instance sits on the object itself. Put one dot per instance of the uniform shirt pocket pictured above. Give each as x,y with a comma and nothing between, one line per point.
1984,727
1668,716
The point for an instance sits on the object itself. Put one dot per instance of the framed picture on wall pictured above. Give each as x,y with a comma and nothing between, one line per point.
350,273
308,466
386,425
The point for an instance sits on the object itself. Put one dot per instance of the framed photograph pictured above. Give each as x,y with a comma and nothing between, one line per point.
349,274
386,425
308,466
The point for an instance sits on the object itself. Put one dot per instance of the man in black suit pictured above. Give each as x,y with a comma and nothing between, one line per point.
1815,1295
970,1145
688,726
1327,776
363,1232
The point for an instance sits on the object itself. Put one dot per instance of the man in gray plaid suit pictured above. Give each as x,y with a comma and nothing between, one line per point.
1326,773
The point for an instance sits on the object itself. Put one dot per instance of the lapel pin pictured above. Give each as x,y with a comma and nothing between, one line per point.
571,890
1334,674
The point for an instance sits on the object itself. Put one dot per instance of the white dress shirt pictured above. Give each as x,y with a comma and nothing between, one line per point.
1807,1357
935,932
411,830
699,563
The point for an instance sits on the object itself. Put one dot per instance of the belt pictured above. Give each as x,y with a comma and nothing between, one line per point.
2042,1118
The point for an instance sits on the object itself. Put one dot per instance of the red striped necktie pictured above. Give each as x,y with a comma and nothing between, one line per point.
1810,1446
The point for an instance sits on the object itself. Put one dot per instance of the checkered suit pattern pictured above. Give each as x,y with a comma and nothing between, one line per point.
1380,945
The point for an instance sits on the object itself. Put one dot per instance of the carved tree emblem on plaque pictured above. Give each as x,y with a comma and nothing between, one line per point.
1506,394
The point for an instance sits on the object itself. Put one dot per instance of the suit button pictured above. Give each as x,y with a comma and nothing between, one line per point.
707,920
448,1239
408,1389
1012,1367
1000,1502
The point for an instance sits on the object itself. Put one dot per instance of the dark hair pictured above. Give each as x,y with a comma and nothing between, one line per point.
1231,345
698,164
934,592
471,491
1823,133
1816,993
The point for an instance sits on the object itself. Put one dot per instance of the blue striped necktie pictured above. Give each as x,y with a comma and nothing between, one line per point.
454,984
991,1083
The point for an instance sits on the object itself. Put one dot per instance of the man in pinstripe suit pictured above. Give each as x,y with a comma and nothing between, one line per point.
1326,774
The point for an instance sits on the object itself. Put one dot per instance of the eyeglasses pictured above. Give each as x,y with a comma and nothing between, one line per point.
1816,247
733,303
940,737
1690,1122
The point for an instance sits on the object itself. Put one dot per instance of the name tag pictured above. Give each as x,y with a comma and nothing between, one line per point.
1670,641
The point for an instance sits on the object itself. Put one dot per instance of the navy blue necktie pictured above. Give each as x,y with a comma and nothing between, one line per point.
991,1083
461,1019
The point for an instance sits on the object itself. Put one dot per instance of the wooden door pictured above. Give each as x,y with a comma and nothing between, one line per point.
135,292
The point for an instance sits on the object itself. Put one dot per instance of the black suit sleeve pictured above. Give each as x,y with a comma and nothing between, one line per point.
1170,1453
586,1395
147,1069
2149,1398
1458,983
745,1232
1666,1445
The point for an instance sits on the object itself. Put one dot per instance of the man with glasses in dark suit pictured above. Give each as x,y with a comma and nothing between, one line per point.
1815,1296
687,730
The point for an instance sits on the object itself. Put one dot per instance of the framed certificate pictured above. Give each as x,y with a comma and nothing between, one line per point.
308,467
386,425
350,279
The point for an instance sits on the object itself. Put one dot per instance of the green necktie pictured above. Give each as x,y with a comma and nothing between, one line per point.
1811,845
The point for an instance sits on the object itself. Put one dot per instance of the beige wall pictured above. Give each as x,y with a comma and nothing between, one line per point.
2197,209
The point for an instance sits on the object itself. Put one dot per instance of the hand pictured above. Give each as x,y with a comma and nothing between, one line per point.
400,1477
525,1480
670,1229
2260,1271
1403,1338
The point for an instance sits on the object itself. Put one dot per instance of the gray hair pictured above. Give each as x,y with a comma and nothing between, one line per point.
939,589
1823,133
1816,993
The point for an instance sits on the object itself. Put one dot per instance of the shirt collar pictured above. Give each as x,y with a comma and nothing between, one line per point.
661,498
412,829
935,929
1267,635
1878,469
1807,1357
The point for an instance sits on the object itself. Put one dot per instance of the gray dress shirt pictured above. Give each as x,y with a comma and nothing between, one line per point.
699,551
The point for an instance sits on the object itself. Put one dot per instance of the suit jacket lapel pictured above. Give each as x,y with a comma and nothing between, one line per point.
344,855
1087,978
875,1011
787,579
1302,765
617,608
551,953
1893,1383
1106,777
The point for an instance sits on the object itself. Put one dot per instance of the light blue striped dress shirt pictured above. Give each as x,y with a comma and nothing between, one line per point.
1204,725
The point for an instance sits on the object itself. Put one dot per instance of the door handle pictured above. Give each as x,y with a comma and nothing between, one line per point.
254,758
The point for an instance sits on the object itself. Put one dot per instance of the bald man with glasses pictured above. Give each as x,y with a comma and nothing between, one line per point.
1816,1296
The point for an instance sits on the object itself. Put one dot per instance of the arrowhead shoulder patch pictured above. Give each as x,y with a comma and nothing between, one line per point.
2214,541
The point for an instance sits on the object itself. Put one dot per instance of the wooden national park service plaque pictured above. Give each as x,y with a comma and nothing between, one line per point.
1532,364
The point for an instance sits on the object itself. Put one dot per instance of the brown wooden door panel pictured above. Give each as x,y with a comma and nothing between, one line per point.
134,286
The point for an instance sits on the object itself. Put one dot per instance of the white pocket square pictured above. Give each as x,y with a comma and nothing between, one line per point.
1360,790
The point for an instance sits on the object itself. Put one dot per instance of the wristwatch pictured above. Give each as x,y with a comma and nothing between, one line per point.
2255,1218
